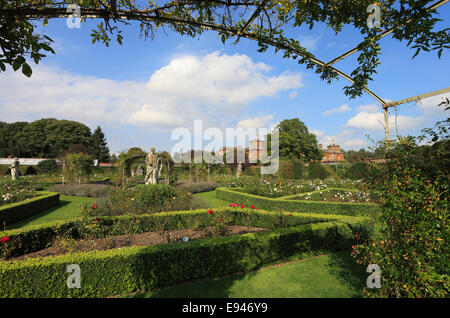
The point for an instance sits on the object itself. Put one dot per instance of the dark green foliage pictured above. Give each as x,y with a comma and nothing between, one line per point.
357,156
274,204
357,171
106,273
81,190
153,195
48,166
14,212
44,138
414,211
141,199
317,171
36,237
295,141
98,145
197,187
298,169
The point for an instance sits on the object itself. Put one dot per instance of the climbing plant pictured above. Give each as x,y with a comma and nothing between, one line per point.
267,22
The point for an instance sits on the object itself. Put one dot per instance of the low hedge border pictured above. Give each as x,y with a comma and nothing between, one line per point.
340,208
113,272
35,237
294,196
14,212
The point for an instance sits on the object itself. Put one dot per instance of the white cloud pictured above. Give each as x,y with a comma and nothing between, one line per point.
309,42
371,108
430,105
293,94
354,144
341,109
188,88
346,139
317,132
258,122
375,121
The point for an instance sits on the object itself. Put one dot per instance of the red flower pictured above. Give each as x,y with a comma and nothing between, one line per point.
222,220
4,239
97,219
252,206
209,211
232,205
94,206
242,206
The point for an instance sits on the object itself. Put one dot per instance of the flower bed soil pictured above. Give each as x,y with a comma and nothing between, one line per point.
64,246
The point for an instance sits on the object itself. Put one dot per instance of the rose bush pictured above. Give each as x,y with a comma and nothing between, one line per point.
413,252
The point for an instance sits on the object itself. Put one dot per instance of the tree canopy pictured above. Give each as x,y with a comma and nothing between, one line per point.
98,145
295,141
45,138
265,21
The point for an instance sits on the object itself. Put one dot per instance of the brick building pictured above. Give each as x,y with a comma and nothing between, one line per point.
332,153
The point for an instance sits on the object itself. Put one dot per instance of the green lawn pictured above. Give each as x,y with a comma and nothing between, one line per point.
327,276
211,200
69,207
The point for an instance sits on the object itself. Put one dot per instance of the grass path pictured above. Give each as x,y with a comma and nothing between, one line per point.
211,200
69,207
334,275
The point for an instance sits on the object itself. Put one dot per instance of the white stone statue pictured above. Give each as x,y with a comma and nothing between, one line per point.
139,171
15,169
239,170
154,166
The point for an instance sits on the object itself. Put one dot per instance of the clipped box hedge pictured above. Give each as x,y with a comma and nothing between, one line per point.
112,272
36,237
305,206
298,196
14,212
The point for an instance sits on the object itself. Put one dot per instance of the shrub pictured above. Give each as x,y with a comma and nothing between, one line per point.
153,195
196,187
78,167
48,166
14,191
298,169
141,199
83,190
233,195
112,272
317,171
14,212
413,252
356,171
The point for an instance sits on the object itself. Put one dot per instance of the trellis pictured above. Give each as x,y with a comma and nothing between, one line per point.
152,15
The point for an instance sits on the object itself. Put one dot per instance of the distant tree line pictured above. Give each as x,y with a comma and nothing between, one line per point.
50,138
360,155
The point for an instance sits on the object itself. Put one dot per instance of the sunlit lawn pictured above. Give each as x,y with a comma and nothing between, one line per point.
211,200
69,207
327,276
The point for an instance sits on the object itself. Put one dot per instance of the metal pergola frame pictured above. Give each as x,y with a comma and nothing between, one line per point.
231,31
384,104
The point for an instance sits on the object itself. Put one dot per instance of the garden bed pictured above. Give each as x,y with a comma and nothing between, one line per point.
15,212
65,246
294,204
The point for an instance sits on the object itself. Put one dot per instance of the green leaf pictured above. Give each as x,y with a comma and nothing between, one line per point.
26,70
16,65
45,47
2,66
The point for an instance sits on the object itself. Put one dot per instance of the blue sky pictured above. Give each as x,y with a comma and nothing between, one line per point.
141,91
